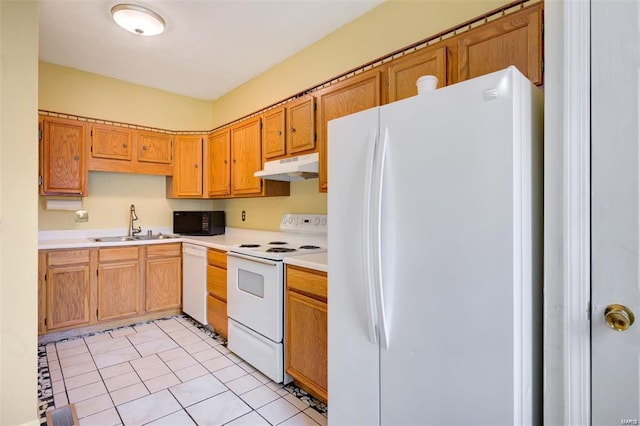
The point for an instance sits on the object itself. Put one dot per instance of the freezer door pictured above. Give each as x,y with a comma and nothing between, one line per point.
457,228
353,352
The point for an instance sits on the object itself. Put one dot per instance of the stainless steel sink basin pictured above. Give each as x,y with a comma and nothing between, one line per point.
134,238
112,239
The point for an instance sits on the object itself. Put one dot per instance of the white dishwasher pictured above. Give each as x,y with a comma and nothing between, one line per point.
194,281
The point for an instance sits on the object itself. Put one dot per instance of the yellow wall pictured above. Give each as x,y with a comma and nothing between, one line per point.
18,220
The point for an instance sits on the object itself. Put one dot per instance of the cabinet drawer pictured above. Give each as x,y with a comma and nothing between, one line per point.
217,315
117,253
217,258
217,282
67,257
307,281
167,250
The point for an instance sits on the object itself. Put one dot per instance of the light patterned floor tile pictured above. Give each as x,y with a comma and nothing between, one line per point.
153,372
97,338
300,419
120,332
278,411
243,384
155,346
146,336
198,389
56,375
196,347
258,397
235,358
246,367
282,392
74,370
217,363
300,405
86,392
169,325
179,418
129,393
219,409
229,373
69,344
161,382
148,408
122,381
261,377
75,359
187,339
60,399
180,363
109,345
118,356
274,386
192,372
222,349
116,370
108,417
316,416
172,354
93,405
82,380
141,328
207,354
58,386
146,362
250,419
75,350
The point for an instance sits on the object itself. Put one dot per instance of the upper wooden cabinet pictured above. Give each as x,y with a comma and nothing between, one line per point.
218,162
154,147
403,73
515,39
246,157
187,169
274,133
63,167
289,130
346,97
127,150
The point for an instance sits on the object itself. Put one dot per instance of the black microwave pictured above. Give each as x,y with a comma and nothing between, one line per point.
198,223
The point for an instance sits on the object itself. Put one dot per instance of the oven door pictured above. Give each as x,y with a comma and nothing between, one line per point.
255,294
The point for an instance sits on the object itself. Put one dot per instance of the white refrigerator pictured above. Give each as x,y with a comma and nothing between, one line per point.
435,258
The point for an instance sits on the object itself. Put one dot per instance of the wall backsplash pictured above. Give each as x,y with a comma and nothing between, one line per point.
111,194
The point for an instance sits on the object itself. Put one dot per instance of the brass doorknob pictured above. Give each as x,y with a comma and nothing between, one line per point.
618,317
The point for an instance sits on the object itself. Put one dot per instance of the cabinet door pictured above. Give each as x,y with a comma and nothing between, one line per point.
154,147
111,142
217,282
274,133
301,125
306,342
217,315
246,157
515,39
67,291
118,290
404,72
64,170
164,283
187,168
219,170
347,97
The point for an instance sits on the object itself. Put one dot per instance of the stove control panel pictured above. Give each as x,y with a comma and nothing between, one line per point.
304,223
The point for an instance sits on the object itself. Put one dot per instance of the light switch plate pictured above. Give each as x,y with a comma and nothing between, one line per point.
81,216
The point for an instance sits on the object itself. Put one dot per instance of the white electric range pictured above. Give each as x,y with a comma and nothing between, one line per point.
255,291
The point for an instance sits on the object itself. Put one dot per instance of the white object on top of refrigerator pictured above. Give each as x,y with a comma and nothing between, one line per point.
434,257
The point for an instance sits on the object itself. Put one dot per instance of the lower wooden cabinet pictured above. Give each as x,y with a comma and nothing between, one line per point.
119,286
217,289
83,287
163,277
306,329
66,289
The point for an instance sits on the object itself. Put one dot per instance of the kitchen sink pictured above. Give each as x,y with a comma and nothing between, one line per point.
134,238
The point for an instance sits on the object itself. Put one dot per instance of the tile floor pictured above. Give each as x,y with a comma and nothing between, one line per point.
168,372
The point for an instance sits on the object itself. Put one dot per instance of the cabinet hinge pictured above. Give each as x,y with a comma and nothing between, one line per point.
97,272
315,106
45,321
91,132
45,277
96,313
315,137
91,148
40,181
39,134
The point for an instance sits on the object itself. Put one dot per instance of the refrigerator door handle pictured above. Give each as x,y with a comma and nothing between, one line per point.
376,235
367,254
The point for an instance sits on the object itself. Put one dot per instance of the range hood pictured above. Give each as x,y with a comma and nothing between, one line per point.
291,169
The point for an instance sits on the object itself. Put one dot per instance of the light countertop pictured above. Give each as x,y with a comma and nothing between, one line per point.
317,261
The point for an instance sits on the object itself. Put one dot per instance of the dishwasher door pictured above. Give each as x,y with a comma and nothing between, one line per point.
194,282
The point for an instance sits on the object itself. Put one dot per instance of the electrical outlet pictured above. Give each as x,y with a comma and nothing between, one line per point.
244,215
81,216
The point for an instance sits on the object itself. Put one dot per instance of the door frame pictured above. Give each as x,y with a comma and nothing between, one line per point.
567,213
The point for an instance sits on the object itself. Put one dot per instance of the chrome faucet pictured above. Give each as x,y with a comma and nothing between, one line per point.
132,217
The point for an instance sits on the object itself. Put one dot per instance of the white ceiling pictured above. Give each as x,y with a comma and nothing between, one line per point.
208,48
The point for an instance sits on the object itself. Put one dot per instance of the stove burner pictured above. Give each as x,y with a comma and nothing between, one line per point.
249,245
280,250
278,243
308,247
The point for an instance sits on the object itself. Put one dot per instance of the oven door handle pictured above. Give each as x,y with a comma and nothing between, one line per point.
252,259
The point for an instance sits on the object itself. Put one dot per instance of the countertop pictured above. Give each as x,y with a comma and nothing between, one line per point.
48,240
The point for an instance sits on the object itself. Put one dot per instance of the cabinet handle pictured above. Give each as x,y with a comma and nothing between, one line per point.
144,147
279,132
195,165
234,160
76,158
124,145
225,161
293,129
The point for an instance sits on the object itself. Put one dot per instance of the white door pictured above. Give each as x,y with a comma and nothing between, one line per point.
615,209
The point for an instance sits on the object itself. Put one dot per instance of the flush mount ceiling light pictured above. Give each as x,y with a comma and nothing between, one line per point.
137,19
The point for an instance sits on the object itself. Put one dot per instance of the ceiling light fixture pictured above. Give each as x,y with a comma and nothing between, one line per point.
137,19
